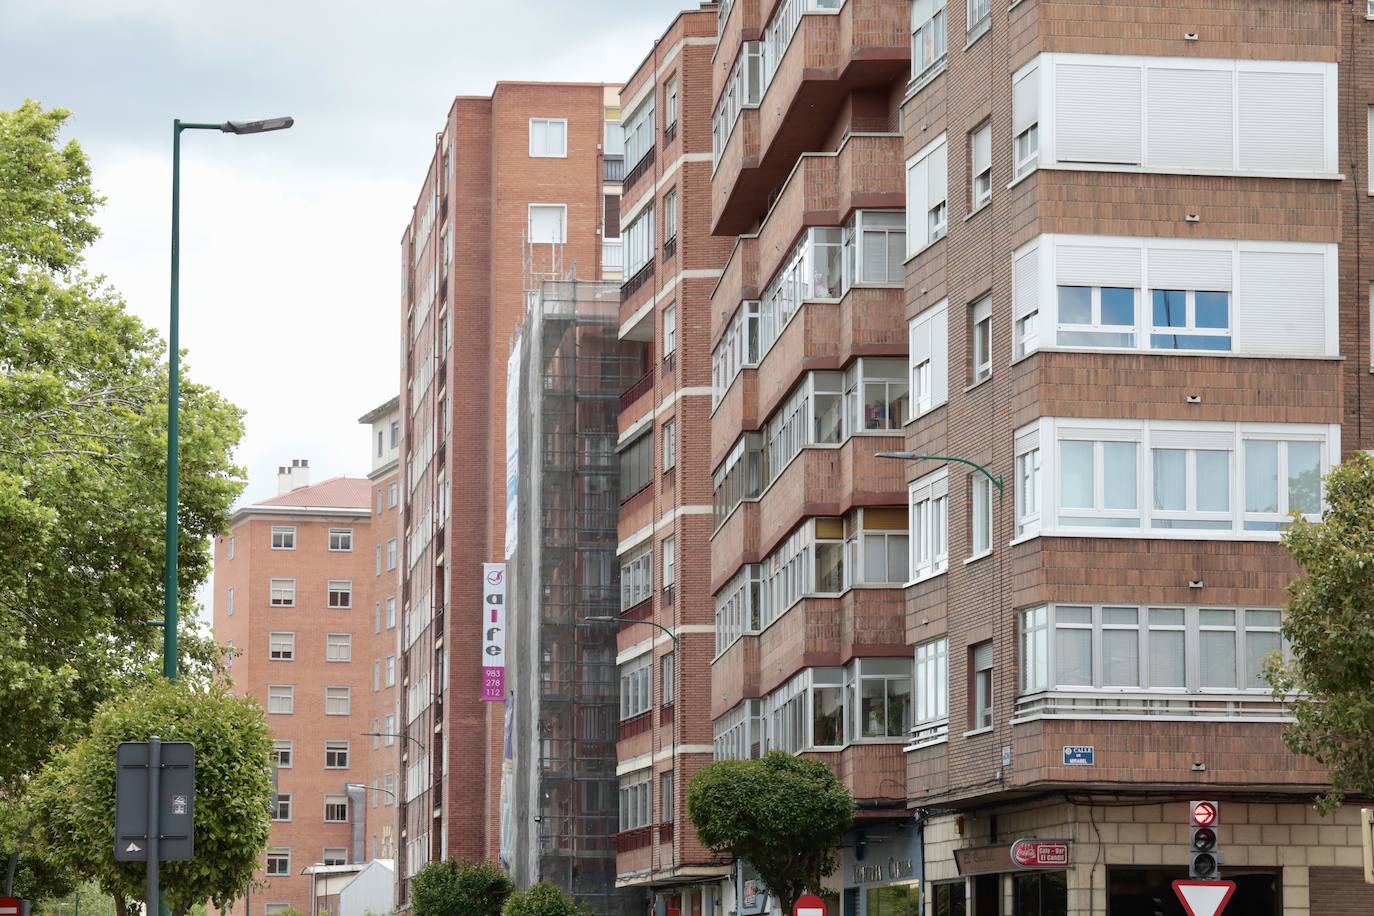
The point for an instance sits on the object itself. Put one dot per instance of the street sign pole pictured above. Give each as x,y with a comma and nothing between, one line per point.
154,799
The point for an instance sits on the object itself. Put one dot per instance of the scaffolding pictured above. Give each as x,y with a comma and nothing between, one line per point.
560,801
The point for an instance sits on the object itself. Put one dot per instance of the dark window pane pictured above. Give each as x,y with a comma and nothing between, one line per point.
1213,310
1118,306
1189,342
1170,308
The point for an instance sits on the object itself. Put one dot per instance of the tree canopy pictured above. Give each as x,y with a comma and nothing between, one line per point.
73,799
453,888
543,899
784,815
83,433
1330,627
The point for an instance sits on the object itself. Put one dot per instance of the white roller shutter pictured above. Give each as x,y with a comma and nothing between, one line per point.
1191,268
1190,118
1097,113
1282,302
939,356
1097,265
1210,440
1025,101
1025,283
1282,121
937,175
917,207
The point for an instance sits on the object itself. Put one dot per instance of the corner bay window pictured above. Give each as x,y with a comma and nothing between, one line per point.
743,89
825,408
824,708
738,735
1175,650
1173,479
639,241
638,131
738,349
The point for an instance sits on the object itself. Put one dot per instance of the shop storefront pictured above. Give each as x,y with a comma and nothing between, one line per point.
881,870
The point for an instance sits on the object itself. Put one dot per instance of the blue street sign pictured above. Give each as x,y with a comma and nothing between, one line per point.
1079,756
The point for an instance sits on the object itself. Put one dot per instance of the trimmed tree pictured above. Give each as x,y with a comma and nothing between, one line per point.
454,888
784,815
1330,627
73,799
543,899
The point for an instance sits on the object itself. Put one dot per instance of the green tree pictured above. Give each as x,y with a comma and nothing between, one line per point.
1330,626
543,899
73,799
454,888
82,465
784,815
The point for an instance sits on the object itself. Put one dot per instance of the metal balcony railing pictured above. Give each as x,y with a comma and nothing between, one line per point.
639,170
615,168
637,390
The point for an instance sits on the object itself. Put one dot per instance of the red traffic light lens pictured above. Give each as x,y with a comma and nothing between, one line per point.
1204,814
1204,839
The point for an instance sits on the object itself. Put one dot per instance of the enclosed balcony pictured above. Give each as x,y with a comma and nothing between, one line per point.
815,56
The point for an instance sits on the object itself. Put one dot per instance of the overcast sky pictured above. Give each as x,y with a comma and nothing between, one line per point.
290,278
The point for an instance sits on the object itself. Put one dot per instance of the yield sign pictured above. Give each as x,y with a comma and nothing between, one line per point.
1204,898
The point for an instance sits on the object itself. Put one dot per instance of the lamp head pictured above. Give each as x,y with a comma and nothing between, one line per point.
257,127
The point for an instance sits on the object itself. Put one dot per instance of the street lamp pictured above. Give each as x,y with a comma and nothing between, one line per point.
916,456
365,788
394,735
621,618
169,617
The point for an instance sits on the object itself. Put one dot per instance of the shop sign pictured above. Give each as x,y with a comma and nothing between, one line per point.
1030,853
884,854
983,860
889,870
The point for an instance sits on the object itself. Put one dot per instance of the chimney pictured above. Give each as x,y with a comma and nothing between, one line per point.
294,477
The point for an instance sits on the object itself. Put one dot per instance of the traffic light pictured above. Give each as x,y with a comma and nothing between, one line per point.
1204,858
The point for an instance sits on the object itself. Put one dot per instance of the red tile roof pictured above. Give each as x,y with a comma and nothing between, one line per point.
335,493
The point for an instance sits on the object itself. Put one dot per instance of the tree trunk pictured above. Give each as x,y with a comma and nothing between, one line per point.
121,908
14,860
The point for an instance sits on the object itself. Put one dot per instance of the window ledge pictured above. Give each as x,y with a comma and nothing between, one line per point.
978,384
926,578
926,247
979,30
922,745
978,556
1029,173
974,212
925,78
985,730
1028,536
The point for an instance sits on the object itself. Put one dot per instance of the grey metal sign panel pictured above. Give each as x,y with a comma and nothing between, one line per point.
176,802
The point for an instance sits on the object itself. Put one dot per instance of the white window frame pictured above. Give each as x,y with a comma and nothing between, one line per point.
281,857
865,230
979,17
980,338
893,542
929,332
1096,324
282,592
886,671
392,493
282,806
389,670
281,699
980,160
1025,144
983,696
1029,483
279,745
335,747
340,540
637,126
670,101
391,554
229,602
281,646
929,28
930,691
231,547
668,679
545,124
669,443
334,855
338,700
638,236
928,515
669,330
636,686
636,803
391,613
562,224
636,578
339,593
669,548
670,215
283,537
335,801
927,213
1101,468
338,647
981,517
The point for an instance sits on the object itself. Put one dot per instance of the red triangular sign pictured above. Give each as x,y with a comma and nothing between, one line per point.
1204,898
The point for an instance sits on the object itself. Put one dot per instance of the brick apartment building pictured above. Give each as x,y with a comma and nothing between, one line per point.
667,637
1113,254
518,190
294,588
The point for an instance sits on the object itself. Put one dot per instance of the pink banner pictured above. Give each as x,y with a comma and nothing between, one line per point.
493,685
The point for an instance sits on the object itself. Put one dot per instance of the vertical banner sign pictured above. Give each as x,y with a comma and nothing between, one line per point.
493,632
513,448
